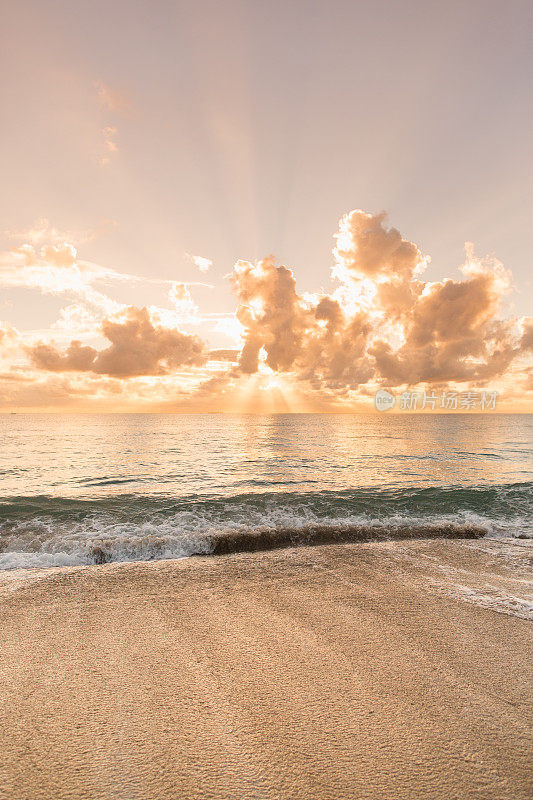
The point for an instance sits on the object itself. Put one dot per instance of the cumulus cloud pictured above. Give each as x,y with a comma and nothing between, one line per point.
76,358
366,248
382,323
138,347
311,336
453,330
270,310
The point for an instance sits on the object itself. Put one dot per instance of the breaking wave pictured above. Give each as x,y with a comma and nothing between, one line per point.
48,531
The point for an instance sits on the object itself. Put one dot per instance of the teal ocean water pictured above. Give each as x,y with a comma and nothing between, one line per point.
95,488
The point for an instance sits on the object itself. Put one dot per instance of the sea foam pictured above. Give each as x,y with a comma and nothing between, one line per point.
54,531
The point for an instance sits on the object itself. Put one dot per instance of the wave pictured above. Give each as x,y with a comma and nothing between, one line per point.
251,541
49,531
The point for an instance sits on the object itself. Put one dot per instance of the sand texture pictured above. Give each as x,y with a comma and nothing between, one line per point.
320,673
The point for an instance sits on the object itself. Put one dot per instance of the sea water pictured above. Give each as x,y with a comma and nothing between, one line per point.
85,489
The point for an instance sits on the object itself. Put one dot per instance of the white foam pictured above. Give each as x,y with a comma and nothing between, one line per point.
45,542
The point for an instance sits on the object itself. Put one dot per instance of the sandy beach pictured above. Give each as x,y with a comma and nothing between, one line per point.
319,673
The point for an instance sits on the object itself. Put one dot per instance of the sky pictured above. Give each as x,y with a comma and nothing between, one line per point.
250,206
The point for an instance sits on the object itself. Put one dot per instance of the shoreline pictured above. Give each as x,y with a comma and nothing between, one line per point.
332,671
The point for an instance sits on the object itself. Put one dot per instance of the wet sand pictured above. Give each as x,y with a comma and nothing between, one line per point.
320,673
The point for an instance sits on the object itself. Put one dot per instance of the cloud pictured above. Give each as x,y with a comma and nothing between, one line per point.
108,146
25,392
77,317
224,355
9,343
138,347
312,337
181,299
77,358
7,333
42,232
113,100
526,343
63,255
453,330
115,103
55,270
382,323
378,324
366,248
271,313
203,264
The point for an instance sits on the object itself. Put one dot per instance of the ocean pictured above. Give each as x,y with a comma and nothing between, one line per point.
91,489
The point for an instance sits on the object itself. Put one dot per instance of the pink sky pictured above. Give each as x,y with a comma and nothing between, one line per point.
156,153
